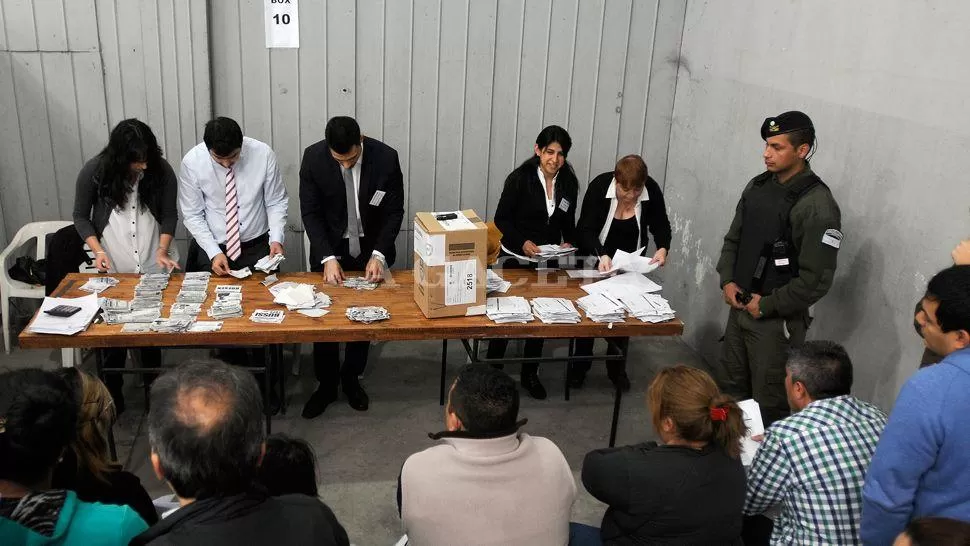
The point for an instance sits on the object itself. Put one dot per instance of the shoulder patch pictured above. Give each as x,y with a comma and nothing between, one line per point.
832,237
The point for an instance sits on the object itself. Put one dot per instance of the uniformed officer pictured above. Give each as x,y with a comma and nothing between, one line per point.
778,259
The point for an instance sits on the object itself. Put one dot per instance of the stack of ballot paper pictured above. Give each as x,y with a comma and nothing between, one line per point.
367,314
153,281
359,283
111,305
98,284
508,309
555,310
268,316
134,316
184,311
228,302
267,264
171,326
297,296
751,412
495,283
602,308
632,261
240,273
648,307
67,326
554,251
203,326
626,283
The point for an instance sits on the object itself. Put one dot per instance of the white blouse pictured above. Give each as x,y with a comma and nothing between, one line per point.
131,238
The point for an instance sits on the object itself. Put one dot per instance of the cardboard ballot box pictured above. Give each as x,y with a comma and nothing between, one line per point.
449,263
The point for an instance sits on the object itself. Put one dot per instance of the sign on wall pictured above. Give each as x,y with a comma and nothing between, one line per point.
282,22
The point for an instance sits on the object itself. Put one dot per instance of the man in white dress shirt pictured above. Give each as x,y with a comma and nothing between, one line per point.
227,168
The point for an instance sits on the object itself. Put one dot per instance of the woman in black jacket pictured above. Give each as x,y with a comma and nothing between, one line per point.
687,490
86,468
125,210
537,207
619,210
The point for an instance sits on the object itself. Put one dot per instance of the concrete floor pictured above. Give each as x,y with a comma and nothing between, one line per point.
360,453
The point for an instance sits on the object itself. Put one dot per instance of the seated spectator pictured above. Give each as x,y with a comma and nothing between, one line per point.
37,421
687,490
935,532
486,482
289,467
813,463
86,467
205,428
961,256
920,466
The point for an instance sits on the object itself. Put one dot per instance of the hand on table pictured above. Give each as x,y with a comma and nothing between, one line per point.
374,271
606,263
730,292
332,272
220,265
660,257
530,249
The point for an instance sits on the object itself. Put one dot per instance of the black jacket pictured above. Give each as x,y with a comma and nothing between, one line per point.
521,213
323,200
121,488
91,211
596,208
249,518
667,494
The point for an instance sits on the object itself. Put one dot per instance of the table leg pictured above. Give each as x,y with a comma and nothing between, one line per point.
444,371
569,363
267,413
617,397
281,375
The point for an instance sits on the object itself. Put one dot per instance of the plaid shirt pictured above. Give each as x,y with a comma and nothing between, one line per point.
813,464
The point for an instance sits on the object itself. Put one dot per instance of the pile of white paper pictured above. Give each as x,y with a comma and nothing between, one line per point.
554,251
171,326
299,296
98,284
495,283
626,283
112,305
267,316
602,308
367,314
193,290
267,264
508,309
555,310
751,412
67,326
228,302
359,283
632,261
648,307
134,316
203,326
184,311
240,273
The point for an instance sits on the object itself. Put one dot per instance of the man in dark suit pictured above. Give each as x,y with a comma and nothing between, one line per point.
348,230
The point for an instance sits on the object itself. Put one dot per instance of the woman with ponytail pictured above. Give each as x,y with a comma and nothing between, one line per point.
687,489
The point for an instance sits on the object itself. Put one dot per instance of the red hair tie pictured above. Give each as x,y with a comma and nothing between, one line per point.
719,414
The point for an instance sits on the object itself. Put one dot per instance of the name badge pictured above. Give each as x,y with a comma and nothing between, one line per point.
377,198
564,205
781,262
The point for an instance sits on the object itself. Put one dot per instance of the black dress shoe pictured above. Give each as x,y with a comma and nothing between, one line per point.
318,402
621,381
275,405
356,397
530,382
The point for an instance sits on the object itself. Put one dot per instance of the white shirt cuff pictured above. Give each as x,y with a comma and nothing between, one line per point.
379,256
327,259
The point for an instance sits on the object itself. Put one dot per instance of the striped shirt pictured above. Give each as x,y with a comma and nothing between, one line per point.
812,466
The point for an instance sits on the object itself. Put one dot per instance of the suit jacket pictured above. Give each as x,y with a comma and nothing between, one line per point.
323,200
596,209
521,212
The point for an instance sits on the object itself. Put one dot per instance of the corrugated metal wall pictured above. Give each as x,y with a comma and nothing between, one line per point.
71,69
460,88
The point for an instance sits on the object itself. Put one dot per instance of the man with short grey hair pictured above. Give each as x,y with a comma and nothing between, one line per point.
207,440
812,464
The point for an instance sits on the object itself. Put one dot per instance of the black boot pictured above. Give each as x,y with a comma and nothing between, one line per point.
531,384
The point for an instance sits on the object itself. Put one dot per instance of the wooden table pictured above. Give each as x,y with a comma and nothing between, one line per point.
396,295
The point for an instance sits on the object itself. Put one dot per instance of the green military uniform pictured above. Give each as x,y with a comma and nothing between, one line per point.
792,277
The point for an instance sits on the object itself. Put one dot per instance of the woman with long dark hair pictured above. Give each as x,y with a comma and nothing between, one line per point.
125,210
537,207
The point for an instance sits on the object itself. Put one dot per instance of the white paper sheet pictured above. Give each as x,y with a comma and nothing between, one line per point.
756,427
625,283
65,326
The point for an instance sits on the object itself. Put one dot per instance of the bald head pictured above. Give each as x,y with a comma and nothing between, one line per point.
206,428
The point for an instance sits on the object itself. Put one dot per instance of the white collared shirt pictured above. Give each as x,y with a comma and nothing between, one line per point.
611,195
550,201
259,188
355,173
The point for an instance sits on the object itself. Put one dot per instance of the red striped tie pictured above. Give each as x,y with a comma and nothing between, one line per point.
233,247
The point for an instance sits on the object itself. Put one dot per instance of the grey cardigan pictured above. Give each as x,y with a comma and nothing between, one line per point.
91,211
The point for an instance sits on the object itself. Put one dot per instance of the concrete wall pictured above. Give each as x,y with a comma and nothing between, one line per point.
70,70
886,85
460,88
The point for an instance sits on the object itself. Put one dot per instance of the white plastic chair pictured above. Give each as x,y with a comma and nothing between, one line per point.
10,288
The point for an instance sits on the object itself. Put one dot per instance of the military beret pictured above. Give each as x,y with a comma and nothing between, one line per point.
785,123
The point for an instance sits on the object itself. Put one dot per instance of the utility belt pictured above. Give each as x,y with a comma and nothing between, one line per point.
778,261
